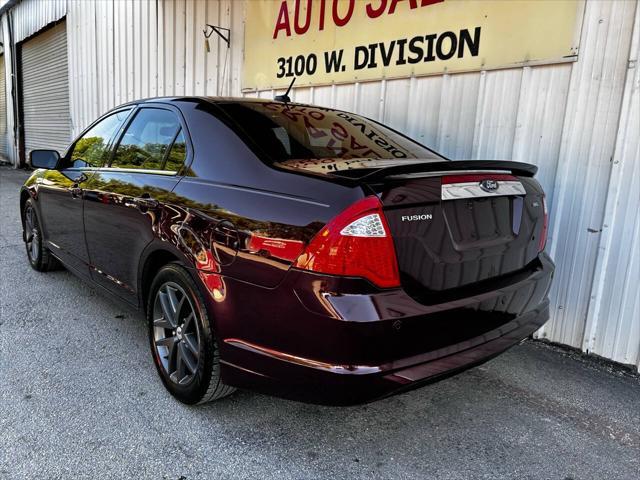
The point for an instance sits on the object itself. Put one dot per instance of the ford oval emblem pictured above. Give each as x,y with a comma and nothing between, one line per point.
489,185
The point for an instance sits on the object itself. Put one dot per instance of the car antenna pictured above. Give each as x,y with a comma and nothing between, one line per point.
285,98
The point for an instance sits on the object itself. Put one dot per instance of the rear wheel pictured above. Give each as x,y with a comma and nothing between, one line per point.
39,256
181,337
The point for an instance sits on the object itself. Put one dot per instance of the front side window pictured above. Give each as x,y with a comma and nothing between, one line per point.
91,148
153,141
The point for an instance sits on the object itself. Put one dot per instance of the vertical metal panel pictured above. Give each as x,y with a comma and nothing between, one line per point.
4,143
395,113
613,323
424,114
192,48
32,15
237,13
495,122
45,97
370,96
458,110
588,139
11,153
538,129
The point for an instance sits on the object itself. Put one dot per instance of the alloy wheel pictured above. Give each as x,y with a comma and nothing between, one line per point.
32,234
176,334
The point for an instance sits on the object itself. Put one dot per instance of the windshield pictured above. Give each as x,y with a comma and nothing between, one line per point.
288,132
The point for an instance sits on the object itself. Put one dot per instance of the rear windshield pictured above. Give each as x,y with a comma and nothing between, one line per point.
295,132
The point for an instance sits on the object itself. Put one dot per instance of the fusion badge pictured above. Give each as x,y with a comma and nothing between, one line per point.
415,218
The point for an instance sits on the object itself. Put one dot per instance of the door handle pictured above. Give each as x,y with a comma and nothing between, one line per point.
146,203
76,191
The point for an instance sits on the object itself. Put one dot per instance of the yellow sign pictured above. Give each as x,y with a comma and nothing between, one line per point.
341,41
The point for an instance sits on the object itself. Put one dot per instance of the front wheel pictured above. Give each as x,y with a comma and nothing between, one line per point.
181,337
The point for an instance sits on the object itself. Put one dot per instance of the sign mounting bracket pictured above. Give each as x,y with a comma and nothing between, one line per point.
222,32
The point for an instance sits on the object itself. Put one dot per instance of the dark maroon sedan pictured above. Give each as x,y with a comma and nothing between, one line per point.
292,249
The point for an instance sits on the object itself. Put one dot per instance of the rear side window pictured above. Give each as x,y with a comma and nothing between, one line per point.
90,149
177,154
153,141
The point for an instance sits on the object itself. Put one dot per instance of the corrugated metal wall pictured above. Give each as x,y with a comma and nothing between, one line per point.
613,326
578,122
125,50
31,16
588,140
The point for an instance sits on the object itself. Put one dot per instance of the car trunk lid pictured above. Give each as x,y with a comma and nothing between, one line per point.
460,227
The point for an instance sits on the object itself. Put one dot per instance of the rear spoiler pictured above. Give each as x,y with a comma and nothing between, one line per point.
515,168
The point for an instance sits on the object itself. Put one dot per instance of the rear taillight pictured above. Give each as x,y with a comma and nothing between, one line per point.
545,226
356,243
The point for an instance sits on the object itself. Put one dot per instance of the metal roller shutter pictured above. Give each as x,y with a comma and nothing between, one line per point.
45,90
3,113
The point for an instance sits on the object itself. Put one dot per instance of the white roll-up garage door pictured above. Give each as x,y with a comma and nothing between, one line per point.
45,90
4,141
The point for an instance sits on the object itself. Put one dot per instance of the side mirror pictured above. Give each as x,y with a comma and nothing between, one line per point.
47,159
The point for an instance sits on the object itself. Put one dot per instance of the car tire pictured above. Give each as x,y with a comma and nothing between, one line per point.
39,256
182,340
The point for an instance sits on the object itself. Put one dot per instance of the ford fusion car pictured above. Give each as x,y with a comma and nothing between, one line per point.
291,249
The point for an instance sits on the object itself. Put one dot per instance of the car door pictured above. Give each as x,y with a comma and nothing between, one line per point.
61,191
126,197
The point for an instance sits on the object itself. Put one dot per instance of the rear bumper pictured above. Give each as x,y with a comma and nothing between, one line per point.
328,384
356,347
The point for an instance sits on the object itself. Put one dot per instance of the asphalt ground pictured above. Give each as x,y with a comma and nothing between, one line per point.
79,398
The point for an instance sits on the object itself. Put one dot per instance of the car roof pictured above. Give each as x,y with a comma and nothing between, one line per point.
204,99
